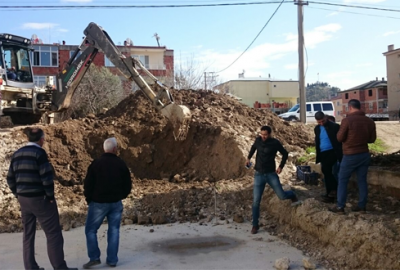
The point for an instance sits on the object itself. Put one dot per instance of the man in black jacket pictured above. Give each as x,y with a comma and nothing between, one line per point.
266,171
107,183
329,153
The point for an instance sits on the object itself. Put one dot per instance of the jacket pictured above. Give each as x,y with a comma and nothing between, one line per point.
331,129
107,180
266,153
30,173
356,131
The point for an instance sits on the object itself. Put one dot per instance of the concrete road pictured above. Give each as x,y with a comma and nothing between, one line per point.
172,246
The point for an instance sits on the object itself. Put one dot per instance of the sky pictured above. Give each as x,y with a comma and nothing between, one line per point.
342,48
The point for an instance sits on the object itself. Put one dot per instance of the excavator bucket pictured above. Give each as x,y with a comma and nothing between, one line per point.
180,118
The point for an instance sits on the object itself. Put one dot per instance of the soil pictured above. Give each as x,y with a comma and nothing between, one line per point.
203,178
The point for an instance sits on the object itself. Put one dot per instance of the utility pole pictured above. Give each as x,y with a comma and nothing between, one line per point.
205,80
300,4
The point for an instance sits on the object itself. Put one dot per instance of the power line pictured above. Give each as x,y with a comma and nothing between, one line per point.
353,6
262,29
142,6
357,13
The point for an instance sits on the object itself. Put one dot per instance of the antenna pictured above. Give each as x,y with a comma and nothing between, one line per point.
157,38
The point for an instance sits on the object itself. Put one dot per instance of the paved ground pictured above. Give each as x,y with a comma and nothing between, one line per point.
173,246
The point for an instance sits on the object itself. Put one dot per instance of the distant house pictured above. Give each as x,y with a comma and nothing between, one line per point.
338,104
373,96
393,80
277,95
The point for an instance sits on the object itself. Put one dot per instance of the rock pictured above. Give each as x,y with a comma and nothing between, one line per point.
151,230
238,218
397,220
128,221
158,219
142,220
282,263
308,264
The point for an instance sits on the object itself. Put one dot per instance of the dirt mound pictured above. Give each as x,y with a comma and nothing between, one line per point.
387,161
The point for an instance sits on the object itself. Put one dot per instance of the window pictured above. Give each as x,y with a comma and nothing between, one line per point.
107,62
40,81
370,93
327,107
346,96
71,53
144,59
317,107
385,92
371,105
308,107
337,103
45,56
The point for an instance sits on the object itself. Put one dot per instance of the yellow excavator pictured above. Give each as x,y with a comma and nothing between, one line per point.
57,99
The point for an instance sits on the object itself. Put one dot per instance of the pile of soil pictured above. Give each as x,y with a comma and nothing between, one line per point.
203,179
387,161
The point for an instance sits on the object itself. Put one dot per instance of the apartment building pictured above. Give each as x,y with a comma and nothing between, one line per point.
50,59
338,104
373,96
393,81
266,93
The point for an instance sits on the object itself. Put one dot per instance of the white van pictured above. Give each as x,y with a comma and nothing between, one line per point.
312,107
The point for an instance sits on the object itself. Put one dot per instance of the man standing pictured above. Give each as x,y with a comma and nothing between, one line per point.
356,131
329,152
107,183
266,172
30,179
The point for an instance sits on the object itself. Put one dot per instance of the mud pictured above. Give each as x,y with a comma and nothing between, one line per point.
203,179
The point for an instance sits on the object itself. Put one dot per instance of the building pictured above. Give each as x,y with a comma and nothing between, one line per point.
277,95
338,104
49,60
393,81
373,96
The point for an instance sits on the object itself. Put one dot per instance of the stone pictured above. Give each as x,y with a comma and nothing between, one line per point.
158,219
128,221
307,264
282,263
142,220
238,218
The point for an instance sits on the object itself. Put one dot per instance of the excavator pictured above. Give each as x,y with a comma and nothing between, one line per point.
22,100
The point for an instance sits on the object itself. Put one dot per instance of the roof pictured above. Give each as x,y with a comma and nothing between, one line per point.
262,79
367,85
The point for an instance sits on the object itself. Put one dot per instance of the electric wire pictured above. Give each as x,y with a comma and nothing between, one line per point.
357,13
142,6
353,6
262,29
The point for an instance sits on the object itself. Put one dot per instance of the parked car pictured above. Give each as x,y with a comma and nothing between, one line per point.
311,108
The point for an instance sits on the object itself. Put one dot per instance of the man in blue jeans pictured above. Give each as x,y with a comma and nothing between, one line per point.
266,171
356,131
107,182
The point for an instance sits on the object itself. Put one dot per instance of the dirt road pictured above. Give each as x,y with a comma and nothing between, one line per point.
388,132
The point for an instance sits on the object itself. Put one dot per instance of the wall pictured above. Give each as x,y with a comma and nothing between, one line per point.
393,78
250,91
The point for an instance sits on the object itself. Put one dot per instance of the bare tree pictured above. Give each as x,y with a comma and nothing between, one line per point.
98,89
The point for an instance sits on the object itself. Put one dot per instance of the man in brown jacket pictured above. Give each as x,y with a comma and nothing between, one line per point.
356,131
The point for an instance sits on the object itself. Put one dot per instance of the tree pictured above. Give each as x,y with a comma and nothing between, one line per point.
98,89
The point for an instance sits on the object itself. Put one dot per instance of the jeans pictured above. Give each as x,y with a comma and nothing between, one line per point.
96,214
350,163
328,161
260,180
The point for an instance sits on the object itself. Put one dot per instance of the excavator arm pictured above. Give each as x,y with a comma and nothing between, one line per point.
97,39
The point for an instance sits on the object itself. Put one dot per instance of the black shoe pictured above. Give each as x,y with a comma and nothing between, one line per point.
91,263
358,209
337,210
255,229
111,265
328,199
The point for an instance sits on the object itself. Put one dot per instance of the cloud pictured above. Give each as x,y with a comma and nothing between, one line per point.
259,60
76,1
292,66
390,33
38,26
332,14
364,65
364,1
63,30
